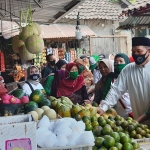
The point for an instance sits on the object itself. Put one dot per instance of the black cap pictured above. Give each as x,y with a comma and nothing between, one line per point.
102,56
140,41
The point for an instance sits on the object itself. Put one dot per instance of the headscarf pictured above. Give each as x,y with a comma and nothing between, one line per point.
67,86
115,74
85,73
35,82
108,63
100,85
59,75
60,63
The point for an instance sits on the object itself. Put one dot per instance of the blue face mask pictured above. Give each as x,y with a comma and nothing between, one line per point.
34,76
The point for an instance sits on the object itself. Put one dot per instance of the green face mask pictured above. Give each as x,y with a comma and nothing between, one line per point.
81,68
74,75
119,67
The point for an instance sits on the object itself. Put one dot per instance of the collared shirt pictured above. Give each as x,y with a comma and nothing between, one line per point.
136,80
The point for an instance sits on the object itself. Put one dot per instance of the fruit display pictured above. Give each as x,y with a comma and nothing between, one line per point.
73,54
110,130
40,59
115,133
16,97
62,132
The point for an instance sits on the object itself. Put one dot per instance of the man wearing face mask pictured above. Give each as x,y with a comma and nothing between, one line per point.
50,68
134,78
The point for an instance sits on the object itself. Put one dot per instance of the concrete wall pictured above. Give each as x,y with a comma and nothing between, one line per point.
102,45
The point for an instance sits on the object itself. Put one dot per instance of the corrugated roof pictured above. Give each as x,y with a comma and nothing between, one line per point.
42,10
96,9
133,22
63,30
10,29
137,5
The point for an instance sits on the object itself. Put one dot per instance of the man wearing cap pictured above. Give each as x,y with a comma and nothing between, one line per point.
134,78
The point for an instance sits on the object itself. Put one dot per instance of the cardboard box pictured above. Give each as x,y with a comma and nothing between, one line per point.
18,133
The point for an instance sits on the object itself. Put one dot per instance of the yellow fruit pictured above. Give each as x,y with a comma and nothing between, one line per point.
45,107
39,112
64,111
84,112
34,115
74,110
50,113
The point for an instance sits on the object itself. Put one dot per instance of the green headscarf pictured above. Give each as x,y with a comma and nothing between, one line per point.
119,67
115,74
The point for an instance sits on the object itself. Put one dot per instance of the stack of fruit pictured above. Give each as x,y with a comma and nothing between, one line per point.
40,59
114,133
72,54
39,106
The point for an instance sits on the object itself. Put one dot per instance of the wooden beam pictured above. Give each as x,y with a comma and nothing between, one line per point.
110,36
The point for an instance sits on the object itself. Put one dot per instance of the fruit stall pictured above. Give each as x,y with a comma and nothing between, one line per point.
69,126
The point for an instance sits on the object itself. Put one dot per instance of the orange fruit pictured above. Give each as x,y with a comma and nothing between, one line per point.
109,142
97,130
125,139
107,130
95,123
116,136
119,146
127,146
88,127
99,141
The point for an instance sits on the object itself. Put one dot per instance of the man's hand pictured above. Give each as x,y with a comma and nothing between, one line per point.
100,111
87,101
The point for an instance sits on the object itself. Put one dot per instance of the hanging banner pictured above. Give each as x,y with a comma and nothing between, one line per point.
2,62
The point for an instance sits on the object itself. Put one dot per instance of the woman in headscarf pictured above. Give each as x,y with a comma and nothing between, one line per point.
51,83
105,67
73,86
123,106
32,82
82,69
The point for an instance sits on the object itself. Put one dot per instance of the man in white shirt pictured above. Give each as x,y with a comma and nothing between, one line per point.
134,78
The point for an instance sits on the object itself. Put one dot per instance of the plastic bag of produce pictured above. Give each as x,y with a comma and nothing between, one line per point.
50,140
73,138
64,121
79,127
86,138
66,131
51,126
61,141
44,122
42,132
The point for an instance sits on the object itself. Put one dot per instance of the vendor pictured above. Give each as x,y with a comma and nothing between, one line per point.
73,86
134,78
32,82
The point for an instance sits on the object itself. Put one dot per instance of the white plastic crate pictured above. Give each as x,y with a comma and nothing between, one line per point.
144,143
79,147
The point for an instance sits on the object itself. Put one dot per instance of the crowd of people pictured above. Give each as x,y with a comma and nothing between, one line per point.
116,82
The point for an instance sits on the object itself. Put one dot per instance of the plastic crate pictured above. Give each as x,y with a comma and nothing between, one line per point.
79,147
144,143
